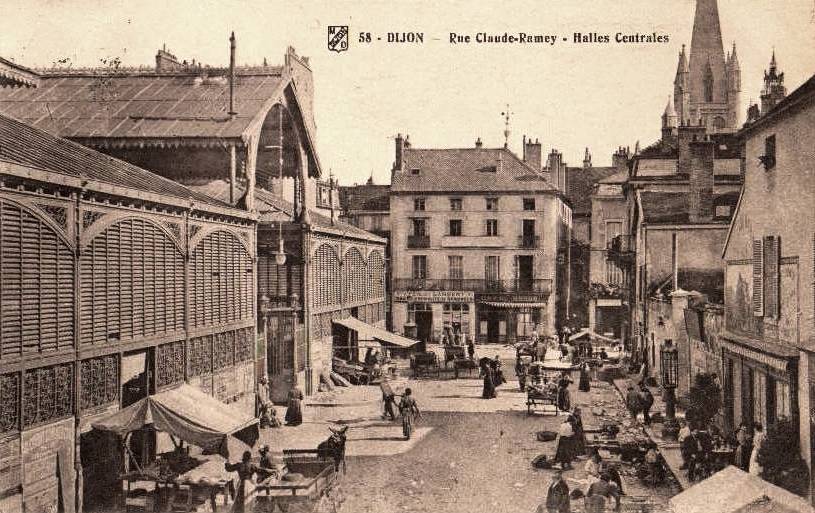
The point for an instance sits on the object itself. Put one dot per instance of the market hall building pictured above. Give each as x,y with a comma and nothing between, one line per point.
246,135
479,242
116,284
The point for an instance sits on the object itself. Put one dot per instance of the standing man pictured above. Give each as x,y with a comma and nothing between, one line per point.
632,402
557,496
647,399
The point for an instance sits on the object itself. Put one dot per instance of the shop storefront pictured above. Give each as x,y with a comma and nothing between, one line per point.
430,316
759,383
501,322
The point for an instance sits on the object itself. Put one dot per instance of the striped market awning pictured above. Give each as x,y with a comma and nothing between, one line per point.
507,304
773,355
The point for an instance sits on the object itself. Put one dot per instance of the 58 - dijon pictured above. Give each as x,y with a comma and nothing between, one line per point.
395,37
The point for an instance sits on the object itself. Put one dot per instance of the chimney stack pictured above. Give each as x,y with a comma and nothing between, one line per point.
478,143
557,170
232,75
700,199
533,153
587,159
400,152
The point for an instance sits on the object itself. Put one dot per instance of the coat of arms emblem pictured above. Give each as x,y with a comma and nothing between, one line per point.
338,38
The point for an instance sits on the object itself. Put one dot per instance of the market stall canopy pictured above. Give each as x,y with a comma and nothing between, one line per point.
189,414
734,491
371,332
587,333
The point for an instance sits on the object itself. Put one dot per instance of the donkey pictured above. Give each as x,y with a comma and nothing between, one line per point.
334,447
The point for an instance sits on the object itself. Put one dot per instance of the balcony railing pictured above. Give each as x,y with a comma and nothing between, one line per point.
541,286
621,244
528,241
418,241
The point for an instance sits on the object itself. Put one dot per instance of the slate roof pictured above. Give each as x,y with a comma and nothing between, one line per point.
27,146
673,207
367,197
580,184
467,170
142,104
274,209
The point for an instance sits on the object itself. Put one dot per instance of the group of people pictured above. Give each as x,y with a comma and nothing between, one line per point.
698,445
639,400
408,408
246,469
266,411
605,485
493,377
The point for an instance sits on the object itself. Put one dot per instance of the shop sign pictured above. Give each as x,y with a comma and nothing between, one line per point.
512,298
434,296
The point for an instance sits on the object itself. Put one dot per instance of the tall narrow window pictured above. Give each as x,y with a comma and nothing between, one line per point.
455,227
455,267
492,204
455,204
491,226
420,227
419,267
492,271
769,152
418,204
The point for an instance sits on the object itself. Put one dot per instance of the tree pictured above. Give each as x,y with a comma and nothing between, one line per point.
780,460
704,399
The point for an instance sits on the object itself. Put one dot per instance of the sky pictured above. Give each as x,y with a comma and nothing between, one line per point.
569,96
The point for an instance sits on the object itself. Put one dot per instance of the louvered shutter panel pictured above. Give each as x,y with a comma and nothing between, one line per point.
758,278
772,276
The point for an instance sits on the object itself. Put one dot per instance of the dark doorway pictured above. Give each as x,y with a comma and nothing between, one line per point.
528,228
424,325
525,271
493,328
747,388
137,374
728,396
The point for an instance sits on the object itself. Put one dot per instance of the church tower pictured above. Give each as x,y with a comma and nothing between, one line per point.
670,123
774,90
707,84
682,89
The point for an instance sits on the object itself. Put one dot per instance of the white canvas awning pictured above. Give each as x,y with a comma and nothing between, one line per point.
734,491
370,332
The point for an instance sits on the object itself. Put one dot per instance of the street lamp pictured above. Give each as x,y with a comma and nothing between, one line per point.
670,371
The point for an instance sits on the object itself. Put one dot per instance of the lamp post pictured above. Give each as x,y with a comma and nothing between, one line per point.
264,317
670,371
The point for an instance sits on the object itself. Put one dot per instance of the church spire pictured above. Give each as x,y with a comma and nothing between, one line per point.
707,51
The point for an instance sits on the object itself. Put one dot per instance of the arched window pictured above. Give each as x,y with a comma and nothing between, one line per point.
326,276
709,87
355,275
376,272
719,123
132,283
37,286
222,279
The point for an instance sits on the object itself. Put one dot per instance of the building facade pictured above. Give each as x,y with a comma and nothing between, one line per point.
768,345
610,273
116,284
580,185
478,239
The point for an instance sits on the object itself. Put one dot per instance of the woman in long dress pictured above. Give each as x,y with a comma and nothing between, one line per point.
579,435
564,452
759,437
585,382
294,412
745,447
489,383
564,402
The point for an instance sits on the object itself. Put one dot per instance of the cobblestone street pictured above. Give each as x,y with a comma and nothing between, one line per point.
466,450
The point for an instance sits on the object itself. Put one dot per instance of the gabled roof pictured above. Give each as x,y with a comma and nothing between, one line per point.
142,104
615,179
580,184
273,209
467,170
368,197
29,147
